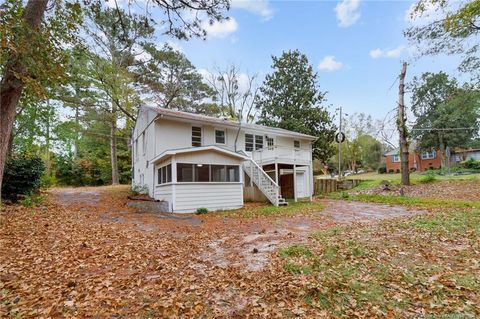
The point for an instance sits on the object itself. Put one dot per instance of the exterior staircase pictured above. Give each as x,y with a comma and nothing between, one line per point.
264,182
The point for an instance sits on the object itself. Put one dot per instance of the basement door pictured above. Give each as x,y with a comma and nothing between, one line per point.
301,185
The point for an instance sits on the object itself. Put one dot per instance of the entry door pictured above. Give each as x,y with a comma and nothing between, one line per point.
300,185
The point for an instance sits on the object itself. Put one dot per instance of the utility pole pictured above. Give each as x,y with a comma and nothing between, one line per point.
340,148
402,127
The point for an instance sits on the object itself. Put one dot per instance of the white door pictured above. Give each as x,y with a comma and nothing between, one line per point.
300,185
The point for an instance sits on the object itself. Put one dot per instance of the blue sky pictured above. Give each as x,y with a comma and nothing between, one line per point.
355,46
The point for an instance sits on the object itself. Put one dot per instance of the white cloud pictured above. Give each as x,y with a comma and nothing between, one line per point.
387,53
259,7
221,29
329,63
347,12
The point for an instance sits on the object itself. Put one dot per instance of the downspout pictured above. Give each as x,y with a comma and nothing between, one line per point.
238,133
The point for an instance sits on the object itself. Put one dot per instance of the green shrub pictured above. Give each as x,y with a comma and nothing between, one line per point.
391,171
382,170
470,164
22,176
429,178
345,195
32,200
48,181
202,210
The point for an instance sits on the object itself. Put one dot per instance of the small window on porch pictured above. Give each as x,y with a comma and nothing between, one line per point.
296,144
248,142
196,136
270,142
184,172
220,136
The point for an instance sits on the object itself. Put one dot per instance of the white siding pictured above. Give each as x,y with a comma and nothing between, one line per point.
213,196
164,192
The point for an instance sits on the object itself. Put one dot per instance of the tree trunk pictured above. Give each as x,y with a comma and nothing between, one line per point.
75,142
443,151
11,86
402,128
113,146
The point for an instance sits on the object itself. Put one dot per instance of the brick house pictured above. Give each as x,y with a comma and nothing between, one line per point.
416,161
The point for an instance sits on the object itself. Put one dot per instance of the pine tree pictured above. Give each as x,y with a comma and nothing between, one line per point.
291,99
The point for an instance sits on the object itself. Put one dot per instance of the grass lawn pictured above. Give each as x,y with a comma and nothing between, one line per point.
426,266
414,177
252,210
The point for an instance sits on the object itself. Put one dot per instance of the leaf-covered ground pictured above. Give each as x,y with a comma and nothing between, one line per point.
84,253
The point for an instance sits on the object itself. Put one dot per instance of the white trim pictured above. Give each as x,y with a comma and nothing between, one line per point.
174,181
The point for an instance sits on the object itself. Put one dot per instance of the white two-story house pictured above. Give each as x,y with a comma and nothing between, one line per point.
189,161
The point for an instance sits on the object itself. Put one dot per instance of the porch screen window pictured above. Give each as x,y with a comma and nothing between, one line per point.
219,173
220,136
196,136
429,155
258,142
233,174
248,142
203,173
185,172
296,144
165,174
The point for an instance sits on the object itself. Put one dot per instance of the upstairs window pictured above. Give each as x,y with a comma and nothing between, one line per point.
248,142
429,155
258,142
220,136
196,136
144,143
296,144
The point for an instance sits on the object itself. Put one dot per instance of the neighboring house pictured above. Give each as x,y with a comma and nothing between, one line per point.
463,155
190,161
416,161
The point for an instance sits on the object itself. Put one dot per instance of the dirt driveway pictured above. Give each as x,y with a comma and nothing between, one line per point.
239,242
86,253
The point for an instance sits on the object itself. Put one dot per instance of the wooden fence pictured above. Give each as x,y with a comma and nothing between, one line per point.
325,186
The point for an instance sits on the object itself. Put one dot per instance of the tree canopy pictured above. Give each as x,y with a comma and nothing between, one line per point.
290,98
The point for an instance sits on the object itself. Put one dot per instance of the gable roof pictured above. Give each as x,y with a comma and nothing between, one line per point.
195,149
179,115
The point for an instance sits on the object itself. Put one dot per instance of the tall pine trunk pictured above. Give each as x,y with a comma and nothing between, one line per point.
11,86
113,145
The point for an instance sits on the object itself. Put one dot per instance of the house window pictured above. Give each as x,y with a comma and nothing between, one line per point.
429,155
296,144
270,142
248,142
184,172
196,136
220,136
203,173
165,174
396,158
136,149
258,142
144,140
